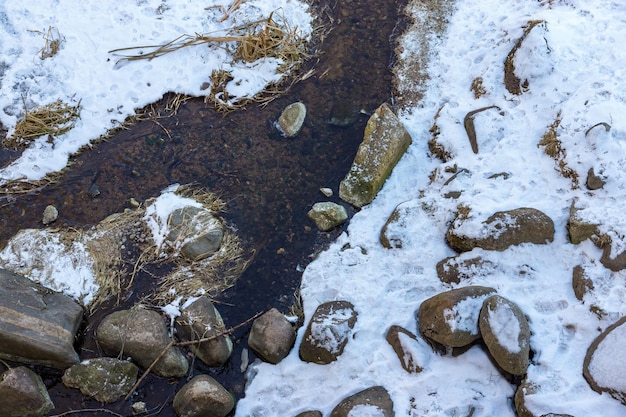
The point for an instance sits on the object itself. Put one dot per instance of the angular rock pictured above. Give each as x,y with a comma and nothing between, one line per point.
579,229
142,335
385,140
196,230
604,366
581,283
506,334
201,320
411,351
451,318
203,396
594,182
328,332
327,215
292,118
37,325
616,263
272,336
23,394
454,270
501,230
393,234
525,389
374,401
105,379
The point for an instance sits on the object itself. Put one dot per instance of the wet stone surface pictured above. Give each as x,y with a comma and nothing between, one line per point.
268,182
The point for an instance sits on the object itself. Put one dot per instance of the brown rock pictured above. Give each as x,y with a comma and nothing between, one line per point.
410,351
376,400
578,229
502,230
201,320
142,335
506,333
603,367
451,318
454,270
580,282
328,332
23,394
203,396
272,336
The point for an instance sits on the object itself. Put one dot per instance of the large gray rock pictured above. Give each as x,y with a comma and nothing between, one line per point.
196,231
502,230
37,325
23,394
374,401
328,332
385,140
203,396
142,335
506,334
327,215
451,318
272,336
201,320
604,367
105,379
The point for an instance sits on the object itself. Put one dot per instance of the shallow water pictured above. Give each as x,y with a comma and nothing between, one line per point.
269,183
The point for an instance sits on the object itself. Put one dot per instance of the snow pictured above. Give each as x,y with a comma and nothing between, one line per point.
574,65
464,315
504,326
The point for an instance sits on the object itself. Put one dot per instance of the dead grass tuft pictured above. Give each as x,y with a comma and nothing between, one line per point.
53,41
554,149
477,87
436,148
53,119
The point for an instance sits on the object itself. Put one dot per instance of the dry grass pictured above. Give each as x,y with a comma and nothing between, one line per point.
554,149
53,41
436,148
477,87
252,41
53,119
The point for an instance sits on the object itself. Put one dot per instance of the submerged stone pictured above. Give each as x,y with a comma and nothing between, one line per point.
327,215
105,379
23,394
292,118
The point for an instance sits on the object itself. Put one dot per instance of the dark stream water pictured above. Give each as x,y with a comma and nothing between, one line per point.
269,183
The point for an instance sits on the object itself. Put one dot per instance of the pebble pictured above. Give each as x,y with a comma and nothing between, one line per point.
50,214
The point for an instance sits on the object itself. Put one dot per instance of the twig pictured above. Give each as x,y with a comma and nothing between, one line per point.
607,127
192,342
231,9
88,410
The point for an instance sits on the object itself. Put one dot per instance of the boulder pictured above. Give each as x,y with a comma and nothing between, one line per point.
506,334
411,351
105,379
23,394
374,401
196,231
453,270
272,336
203,396
142,335
328,332
451,318
501,230
604,366
37,325
385,140
327,215
201,320
291,119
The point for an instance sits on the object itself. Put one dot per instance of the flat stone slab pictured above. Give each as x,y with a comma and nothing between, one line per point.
37,325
